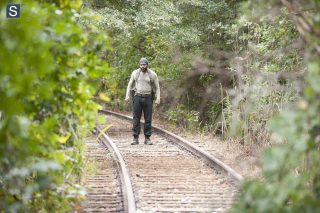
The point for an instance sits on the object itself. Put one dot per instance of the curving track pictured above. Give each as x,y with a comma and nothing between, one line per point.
103,185
171,175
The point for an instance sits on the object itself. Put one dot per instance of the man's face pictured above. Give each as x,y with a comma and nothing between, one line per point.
144,67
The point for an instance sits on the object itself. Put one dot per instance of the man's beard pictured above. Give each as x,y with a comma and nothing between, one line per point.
144,69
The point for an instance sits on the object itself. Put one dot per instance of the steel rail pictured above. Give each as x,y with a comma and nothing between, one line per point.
202,154
126,186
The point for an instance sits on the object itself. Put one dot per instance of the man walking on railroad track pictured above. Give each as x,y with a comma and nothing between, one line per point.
143,88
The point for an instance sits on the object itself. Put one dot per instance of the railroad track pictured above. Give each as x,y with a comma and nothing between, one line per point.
103,184
170,176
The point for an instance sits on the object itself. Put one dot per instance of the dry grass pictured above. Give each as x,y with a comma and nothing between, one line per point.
243,159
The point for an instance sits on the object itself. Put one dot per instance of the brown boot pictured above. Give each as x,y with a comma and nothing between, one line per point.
135,141
148,141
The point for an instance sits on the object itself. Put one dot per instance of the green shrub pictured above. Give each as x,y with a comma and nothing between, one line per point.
291,168
188,119
267,63
49,67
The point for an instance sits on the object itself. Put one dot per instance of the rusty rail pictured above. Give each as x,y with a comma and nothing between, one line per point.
127,191
202,154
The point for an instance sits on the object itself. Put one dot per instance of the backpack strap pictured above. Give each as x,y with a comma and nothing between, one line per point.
153,86
137,75
151,79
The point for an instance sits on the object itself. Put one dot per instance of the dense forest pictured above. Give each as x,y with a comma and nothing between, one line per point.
244,70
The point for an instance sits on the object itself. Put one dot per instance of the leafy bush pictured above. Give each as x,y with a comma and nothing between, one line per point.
49,68
291,168
268,63
183,117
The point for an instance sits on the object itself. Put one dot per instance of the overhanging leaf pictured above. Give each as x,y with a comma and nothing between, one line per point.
64,139
103,131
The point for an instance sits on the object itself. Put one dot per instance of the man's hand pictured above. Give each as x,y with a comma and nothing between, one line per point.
127,99
157,101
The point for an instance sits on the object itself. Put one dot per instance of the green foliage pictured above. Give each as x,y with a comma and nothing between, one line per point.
49,67
171,34
188,119
266,83
216,119
291,169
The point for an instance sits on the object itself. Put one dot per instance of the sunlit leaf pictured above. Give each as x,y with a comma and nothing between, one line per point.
104,97
104,130
64,138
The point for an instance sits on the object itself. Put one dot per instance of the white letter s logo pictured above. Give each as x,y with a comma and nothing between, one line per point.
14,11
